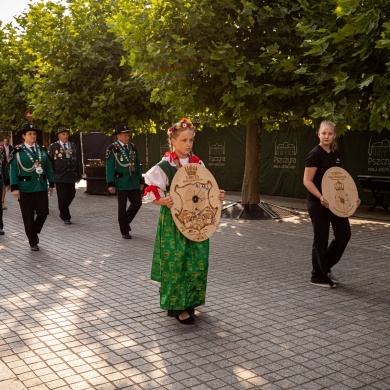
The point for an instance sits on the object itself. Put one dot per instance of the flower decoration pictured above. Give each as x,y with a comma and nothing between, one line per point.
183,124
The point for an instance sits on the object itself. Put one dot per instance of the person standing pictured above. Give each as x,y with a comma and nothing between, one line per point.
179,264
67,171
124,176
324,256
31,172
4,184
7,153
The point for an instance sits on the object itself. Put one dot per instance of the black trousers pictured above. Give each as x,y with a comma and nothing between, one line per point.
127,214
35,209
325,256
1,209
65,195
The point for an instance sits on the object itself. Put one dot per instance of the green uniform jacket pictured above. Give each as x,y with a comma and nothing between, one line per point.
118,173
4,175
25,179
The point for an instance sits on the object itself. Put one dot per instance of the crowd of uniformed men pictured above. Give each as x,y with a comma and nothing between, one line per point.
31,172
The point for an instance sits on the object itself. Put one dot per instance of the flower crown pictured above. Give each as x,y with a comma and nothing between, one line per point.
183,124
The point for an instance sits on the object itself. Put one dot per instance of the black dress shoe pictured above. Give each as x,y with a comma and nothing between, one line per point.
187,321
67,222
34,248
1,232
127,236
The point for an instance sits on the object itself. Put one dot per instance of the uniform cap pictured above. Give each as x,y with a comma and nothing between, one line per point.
121,128
62,129
27,127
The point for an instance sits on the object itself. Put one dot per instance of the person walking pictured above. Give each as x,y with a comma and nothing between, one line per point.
67,171
4,184
324,256
124,176
179,264
31,172
7,154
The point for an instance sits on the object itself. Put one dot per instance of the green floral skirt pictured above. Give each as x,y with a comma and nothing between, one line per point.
180,265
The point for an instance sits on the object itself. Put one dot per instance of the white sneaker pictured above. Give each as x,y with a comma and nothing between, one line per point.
333,278
321,283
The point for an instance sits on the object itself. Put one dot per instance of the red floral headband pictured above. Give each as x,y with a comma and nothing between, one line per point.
183,124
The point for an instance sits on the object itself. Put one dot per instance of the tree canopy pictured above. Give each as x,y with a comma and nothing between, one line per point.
13,102
348,67
71,71
223,61
91,64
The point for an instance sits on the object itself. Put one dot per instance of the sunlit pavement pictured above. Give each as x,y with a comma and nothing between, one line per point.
82,312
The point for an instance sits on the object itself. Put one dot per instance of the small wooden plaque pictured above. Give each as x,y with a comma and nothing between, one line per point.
339,189
196,207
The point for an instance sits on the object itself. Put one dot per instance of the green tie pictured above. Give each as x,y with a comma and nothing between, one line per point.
65,148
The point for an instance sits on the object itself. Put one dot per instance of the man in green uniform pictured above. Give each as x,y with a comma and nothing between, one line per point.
30,173
67,171
124,176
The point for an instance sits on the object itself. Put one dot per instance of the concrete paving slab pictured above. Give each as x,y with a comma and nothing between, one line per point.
82,312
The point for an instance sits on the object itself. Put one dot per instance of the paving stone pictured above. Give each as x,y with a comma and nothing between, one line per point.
88,318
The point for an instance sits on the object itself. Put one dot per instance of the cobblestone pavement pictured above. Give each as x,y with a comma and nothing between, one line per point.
83,314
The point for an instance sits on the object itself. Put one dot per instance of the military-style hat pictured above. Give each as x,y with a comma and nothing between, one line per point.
62,129
27,127
120,129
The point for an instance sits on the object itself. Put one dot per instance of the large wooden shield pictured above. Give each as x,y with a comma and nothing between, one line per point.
196,207
339,189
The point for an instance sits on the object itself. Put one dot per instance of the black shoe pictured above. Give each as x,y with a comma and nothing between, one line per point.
191,311
127,236
1,232
67,222
34,247
187,321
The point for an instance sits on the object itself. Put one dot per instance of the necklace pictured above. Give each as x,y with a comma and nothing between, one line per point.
64,149
36,164
129,158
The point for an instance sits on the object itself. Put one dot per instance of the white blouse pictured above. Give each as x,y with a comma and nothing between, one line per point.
156,177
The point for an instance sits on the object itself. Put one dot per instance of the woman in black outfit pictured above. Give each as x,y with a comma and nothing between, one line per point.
317,162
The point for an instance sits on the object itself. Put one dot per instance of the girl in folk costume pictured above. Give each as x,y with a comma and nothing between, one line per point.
179,264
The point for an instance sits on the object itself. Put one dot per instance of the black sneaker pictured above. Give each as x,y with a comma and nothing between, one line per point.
321,283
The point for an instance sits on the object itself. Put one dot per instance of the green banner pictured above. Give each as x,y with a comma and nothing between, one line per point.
222,151
283,155
282,163
284,152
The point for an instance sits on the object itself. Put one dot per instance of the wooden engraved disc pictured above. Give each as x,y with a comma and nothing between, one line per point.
196,207
339,189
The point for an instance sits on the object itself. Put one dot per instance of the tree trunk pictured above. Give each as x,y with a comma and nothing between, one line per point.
250,194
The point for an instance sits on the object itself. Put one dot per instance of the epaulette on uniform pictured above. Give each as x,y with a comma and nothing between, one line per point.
112,148
16,149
